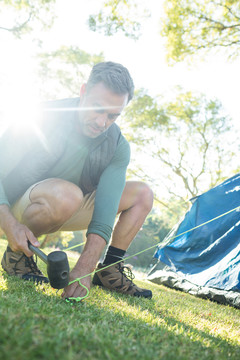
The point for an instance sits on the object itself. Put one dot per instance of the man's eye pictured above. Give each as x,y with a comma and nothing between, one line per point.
99,111
112,116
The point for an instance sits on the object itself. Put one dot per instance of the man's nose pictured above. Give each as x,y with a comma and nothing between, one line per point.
101,120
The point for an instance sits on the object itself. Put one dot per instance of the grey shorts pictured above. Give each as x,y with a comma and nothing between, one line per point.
79,221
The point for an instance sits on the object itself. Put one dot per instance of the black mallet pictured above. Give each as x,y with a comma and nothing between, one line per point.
57,266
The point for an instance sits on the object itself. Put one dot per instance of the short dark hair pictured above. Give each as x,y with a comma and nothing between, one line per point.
115,76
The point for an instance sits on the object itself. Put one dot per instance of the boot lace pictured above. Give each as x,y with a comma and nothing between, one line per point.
29,263
33,265
126,273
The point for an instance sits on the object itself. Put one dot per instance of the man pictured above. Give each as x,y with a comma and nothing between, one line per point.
70,175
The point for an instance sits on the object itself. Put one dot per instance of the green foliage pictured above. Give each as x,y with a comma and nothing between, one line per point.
152,233
191,26
173,210
22,16
144,113
76,241
119,15
188,137
188,26
62,71
57,239
63,240
35,323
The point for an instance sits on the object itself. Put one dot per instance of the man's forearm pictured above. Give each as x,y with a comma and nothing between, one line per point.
91,253
6,218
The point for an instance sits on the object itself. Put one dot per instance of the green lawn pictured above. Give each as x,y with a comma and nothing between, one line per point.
35,323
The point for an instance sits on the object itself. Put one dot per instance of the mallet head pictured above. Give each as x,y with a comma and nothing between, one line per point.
57,266
58,269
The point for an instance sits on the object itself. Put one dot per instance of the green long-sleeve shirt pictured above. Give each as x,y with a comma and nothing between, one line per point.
69,167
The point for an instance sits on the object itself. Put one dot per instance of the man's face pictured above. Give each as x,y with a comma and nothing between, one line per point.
99,108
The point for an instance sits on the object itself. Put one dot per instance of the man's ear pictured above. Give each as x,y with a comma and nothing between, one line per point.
83,90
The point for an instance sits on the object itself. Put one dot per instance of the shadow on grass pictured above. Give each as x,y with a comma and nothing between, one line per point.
105,326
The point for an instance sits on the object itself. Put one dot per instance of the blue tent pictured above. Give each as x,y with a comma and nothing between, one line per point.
205,261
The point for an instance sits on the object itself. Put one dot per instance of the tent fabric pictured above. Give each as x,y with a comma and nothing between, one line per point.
207,257
173,280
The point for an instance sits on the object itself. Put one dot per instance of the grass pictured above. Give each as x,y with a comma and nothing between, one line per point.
35,323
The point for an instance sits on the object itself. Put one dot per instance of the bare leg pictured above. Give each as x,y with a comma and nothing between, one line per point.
53,202
136,202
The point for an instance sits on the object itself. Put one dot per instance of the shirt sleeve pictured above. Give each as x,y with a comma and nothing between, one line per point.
5,162
12,148
109,192
3,196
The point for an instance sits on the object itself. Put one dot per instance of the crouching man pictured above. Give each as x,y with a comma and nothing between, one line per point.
69,175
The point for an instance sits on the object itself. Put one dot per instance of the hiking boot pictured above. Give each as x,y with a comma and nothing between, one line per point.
18,264
119,278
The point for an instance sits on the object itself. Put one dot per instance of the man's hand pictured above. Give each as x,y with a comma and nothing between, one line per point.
17,234
84,266
75,290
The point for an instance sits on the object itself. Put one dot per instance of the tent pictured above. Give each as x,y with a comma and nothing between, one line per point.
201,255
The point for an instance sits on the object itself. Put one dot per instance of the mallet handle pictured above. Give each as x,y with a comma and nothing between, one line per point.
38,252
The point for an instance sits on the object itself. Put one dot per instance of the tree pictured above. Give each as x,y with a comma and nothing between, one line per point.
62,71
22,16
119,16
57,238
190,26
152,233
188,144
63,240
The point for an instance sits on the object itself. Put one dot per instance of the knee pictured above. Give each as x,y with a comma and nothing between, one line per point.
66,199
54,202
145,196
